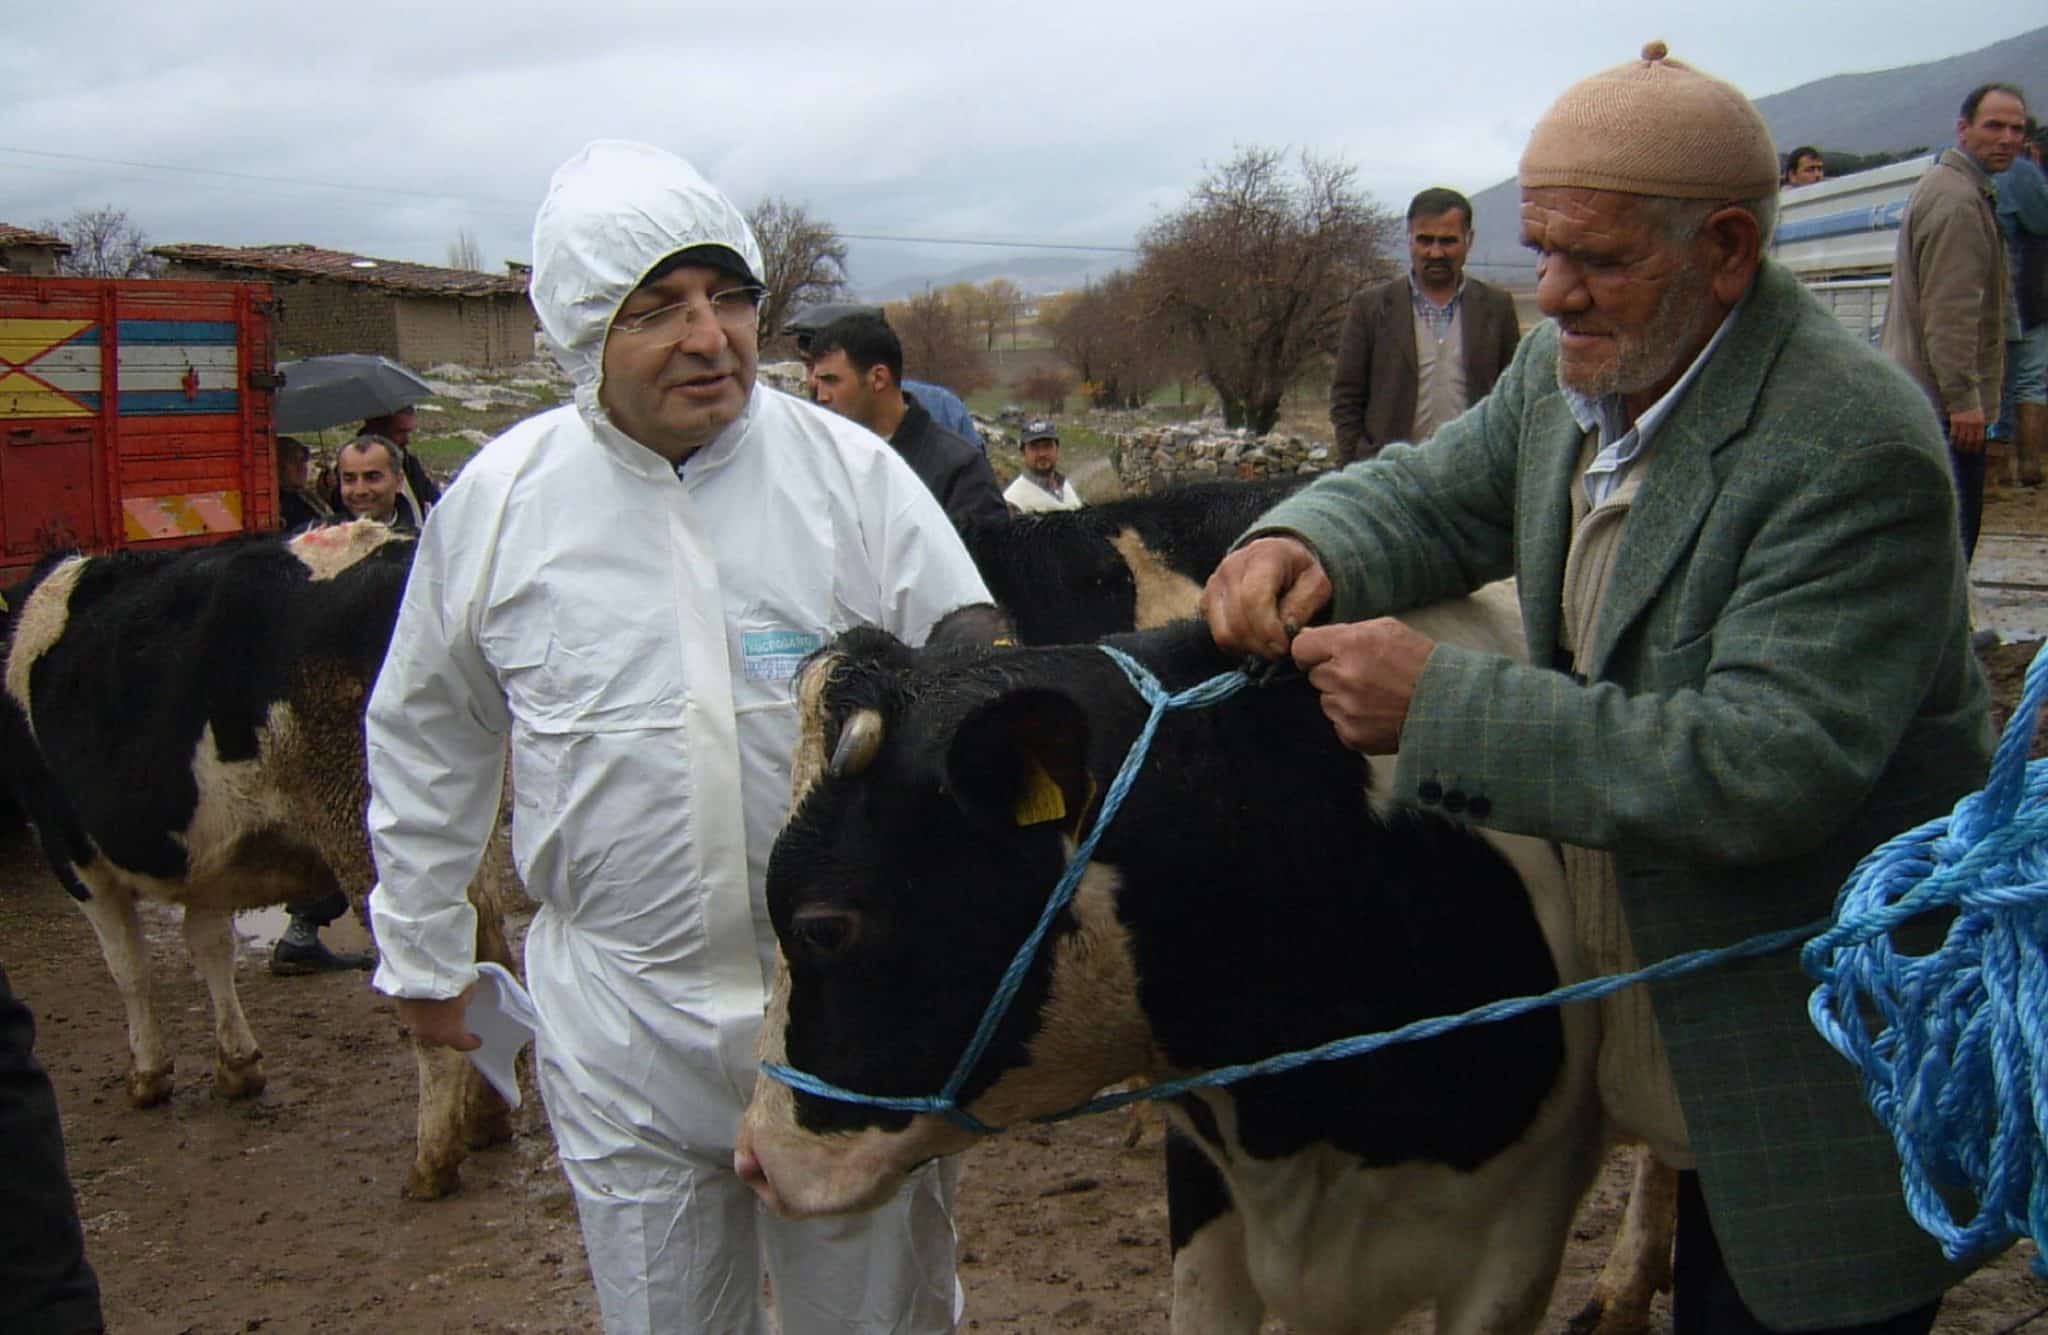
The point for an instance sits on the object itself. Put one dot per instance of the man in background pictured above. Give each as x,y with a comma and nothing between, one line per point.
1803,166
1041,486
298,505
1946,323
856,371
1420,349
369,482
942,403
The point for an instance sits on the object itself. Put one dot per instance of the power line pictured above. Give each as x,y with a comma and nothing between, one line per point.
266,178
964,241
385,190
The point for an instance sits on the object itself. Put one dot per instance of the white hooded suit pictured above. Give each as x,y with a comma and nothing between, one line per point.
634,628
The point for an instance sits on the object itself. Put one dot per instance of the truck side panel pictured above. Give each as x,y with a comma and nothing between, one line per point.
132,413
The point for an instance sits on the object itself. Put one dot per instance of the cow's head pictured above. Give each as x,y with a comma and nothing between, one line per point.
940,795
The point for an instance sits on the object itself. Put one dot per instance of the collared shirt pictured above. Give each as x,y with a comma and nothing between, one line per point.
1622,442
1437,319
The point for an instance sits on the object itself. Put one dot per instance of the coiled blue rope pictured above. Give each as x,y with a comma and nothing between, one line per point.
1955,1072
1953,1045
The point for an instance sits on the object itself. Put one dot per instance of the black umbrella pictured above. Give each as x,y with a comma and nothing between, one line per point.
347,387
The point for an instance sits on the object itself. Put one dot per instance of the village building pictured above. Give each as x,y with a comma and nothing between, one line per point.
332,301
28,252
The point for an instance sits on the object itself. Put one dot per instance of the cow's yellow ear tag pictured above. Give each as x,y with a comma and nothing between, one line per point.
1040,799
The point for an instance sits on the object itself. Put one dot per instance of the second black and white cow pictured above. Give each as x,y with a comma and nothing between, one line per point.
1073,576
188,727
1248,899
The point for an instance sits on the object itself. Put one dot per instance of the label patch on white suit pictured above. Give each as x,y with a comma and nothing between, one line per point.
775,655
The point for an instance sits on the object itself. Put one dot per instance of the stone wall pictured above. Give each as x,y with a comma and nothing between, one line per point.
29,260
316,318
485,331
1151,458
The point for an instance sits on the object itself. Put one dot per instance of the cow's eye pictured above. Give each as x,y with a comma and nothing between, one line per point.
823,933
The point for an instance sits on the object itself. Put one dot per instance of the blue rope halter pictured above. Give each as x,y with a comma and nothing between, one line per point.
946,1102
1960,1077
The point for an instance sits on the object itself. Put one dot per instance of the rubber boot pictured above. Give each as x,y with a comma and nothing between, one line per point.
301,951
2030,440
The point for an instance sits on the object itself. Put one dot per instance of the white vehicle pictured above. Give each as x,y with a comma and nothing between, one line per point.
1839,236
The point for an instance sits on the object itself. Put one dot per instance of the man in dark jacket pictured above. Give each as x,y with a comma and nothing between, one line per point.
857,372
1420,349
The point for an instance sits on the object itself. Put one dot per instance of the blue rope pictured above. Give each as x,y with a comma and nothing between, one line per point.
1953,1046
1955,1072
1221,687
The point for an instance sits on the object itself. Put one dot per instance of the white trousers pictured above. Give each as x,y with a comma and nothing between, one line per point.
677,1246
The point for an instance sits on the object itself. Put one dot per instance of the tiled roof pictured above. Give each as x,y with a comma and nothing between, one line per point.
10,235
300,261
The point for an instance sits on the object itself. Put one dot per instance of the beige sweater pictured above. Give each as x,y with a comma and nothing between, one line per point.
1636,1089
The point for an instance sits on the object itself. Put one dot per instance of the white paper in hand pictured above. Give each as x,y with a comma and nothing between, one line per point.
502,1015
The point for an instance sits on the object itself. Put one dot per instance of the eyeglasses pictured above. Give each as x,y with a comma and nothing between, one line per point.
734,308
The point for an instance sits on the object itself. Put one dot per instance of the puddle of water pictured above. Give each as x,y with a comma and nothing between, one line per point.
259,929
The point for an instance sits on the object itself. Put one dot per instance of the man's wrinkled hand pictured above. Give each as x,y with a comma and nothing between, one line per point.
1263,594
440,1022
1366,673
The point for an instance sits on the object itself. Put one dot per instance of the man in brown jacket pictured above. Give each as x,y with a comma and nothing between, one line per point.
1946,321
1420,349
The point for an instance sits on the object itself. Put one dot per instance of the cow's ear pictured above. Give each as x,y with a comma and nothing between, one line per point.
1022,760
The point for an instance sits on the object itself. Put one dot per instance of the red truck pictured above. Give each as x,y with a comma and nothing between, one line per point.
134,412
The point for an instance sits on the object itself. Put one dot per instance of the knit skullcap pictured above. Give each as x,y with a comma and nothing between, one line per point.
1654,126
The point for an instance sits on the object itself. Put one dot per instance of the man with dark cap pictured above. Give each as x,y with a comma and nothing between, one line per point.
1734,534
1041,486
618,592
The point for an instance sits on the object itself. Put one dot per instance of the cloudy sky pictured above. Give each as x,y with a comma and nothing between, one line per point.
387,128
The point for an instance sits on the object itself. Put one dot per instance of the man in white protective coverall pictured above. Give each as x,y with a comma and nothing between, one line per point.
624,587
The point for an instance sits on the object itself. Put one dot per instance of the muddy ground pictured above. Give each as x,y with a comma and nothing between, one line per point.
282,1214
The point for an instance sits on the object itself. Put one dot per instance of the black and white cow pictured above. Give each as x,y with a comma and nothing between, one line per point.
1074,576
1248,899
188,727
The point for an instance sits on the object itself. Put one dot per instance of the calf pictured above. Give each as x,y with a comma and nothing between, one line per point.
1246,900
187,727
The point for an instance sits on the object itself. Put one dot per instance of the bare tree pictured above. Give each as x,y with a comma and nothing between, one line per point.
938,345
104,244
464,253
802,258
1047,386
998,302
1256,271
1121,349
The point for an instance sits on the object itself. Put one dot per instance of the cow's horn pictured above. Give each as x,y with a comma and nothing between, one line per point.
858,742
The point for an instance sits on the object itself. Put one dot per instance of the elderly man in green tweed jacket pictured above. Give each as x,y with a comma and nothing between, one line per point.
1735,537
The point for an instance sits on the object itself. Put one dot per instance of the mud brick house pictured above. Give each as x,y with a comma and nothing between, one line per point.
26,252
332,301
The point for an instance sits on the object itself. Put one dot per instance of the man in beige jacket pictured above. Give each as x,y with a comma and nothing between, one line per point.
1946,322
